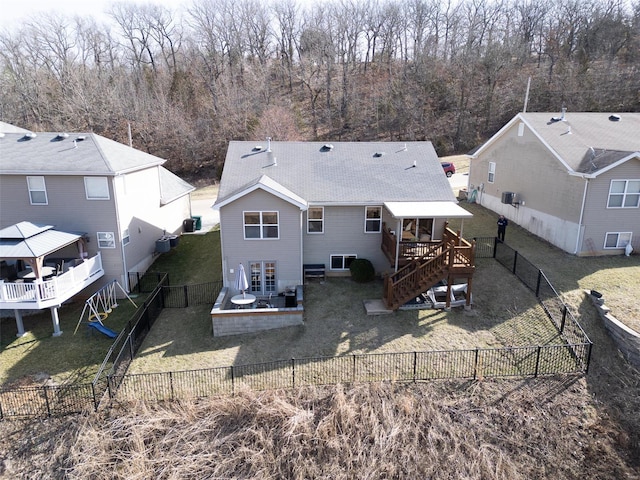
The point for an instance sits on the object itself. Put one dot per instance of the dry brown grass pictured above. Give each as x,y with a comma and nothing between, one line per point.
539,428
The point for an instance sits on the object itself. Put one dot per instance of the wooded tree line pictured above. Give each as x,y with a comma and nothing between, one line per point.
448,71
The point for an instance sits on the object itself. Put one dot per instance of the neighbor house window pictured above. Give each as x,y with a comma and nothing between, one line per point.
260,225
373,219
106,240
617,239
37,190
342,262
624,194
125,237
492,172
315,220
96,188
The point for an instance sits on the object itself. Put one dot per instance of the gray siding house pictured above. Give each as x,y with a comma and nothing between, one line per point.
121,200
572,179
287,204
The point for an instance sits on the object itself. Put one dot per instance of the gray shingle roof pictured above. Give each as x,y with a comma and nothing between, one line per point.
30,240
77,154
348,173
588,142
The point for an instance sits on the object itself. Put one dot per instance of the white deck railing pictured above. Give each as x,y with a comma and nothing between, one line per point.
60,287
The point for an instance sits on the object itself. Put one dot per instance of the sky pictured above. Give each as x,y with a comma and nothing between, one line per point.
13,13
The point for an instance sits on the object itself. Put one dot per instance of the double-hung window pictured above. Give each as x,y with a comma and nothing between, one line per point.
37,191
624,194
96,188
315,220
492,172
261,225
373,219
106,240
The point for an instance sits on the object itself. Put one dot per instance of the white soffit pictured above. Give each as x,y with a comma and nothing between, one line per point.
427,210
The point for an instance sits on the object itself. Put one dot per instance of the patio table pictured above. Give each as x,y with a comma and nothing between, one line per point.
243,300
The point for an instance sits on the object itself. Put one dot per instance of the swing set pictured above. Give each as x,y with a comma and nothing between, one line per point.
100,305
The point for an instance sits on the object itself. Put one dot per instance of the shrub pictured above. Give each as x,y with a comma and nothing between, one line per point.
362,270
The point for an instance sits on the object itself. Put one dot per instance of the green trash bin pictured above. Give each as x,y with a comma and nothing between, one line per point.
198,220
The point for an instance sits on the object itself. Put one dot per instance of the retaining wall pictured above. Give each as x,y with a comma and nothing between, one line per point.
627,340
238,321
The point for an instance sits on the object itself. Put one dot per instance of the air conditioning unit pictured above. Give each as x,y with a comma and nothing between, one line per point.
508,197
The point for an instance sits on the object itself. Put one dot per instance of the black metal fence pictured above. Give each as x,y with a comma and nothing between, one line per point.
530,361
572,357
182,296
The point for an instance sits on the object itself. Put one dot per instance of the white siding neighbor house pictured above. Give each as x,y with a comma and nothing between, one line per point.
284,205
572,179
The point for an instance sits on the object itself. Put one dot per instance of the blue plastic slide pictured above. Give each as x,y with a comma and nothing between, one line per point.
104,330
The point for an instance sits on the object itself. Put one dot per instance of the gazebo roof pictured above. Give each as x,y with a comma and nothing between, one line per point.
31,240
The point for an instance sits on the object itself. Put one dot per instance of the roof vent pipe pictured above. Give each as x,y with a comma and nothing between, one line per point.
564,110
268,144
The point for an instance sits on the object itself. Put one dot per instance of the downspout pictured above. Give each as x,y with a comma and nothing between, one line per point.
584,199
301,247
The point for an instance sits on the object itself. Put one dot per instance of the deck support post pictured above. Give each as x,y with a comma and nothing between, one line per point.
19,324
56,322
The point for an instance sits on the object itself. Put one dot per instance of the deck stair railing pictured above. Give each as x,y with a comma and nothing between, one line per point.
454,255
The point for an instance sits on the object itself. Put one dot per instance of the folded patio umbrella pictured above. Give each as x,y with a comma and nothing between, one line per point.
241,282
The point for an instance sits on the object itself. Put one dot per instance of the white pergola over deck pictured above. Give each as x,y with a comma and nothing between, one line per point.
31,243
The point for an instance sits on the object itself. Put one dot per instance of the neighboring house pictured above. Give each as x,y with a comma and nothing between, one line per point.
572,179
118,199
284,205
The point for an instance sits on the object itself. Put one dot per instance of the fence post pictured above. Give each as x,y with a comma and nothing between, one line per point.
564,317
538,283
233,382
495,246
586,370
95,400
353,370
537,360
415,365
186,296
515,261
293,373
475,364
46,400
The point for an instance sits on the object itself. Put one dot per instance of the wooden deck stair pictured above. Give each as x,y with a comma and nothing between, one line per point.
453,258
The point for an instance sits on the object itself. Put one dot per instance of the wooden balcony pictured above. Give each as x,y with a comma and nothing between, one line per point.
50,292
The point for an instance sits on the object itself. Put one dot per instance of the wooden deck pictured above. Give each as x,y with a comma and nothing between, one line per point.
423,264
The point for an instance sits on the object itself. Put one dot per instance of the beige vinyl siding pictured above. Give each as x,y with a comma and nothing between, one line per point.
285,251
526,167
598,219
344,235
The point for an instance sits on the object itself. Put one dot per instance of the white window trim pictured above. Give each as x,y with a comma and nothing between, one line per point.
618,246
126,237
492,172
343,255
366,219
87,189
108,240
321,220
261,225
624,193
44,190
